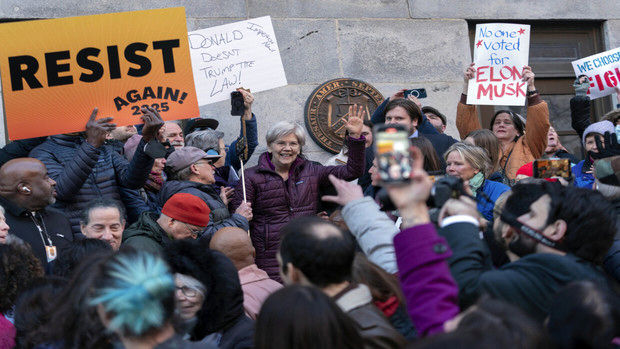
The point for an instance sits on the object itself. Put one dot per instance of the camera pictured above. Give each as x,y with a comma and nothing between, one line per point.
444,188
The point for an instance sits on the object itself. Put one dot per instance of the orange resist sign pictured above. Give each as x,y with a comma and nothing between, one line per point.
56,71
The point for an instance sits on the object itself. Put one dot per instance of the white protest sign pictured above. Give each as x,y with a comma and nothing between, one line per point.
241,54
603,71
501,50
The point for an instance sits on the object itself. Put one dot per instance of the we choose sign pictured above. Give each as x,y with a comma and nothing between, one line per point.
55,72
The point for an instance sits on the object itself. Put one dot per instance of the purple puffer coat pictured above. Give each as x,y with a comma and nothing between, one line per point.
275,201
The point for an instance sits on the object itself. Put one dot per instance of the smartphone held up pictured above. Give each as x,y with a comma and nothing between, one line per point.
392,152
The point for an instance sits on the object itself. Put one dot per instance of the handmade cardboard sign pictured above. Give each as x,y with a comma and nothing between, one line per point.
500,53
241,54
56,71
603,71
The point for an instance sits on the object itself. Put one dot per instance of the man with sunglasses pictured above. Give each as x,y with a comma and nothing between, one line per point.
193,172
184,216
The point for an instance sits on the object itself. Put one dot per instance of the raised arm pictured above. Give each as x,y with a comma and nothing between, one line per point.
71,176
467,115
251,131
537,122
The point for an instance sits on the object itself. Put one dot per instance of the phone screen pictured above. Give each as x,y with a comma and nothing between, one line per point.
549,168
392,152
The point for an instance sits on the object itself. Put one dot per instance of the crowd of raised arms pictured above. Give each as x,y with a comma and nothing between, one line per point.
102,245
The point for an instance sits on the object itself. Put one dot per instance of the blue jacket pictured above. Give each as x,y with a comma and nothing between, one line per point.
232,159
83,172
493,190
582,180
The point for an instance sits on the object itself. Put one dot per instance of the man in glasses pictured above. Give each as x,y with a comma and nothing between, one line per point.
193,172
184,216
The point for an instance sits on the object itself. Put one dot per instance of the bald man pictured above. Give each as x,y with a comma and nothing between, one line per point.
256,284
26,191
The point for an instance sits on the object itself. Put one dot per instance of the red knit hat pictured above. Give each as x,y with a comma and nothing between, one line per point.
187,208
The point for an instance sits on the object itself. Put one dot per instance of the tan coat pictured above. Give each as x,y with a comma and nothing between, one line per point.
527,148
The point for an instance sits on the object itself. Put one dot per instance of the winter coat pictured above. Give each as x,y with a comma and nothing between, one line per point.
275,201
222,309
83,172
428,286
139,201
580,114
529,283
527,148
219,217
19,149
493,190
251,131
373,230
146,234
22,225
257,286
582,179
375,329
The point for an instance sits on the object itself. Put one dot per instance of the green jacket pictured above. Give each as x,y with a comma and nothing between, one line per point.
146,234
529,283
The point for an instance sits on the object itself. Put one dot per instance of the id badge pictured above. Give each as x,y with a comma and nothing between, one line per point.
50,252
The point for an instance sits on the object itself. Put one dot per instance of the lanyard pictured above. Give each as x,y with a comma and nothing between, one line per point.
42,230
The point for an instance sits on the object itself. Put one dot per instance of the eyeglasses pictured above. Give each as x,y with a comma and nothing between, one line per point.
188,291
196,231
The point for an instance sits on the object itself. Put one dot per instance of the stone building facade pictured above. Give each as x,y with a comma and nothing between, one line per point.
390,44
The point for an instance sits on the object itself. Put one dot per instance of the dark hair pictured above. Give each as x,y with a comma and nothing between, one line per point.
590,220
431,159
411,108
522,197
76,253
516,121
19,268
382,284
323,260
303,317
583,315
34,309
74,321
486,139
101,203
491,323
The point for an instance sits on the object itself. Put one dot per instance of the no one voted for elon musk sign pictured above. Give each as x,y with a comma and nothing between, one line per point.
25,67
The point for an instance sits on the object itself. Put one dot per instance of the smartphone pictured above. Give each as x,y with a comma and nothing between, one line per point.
236,101
392,153
416,92
549,168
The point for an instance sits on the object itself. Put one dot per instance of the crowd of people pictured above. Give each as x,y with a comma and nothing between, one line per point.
155,236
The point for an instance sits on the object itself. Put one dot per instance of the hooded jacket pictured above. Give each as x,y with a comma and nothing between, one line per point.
83,172
219,217
146,234
276,201
222,310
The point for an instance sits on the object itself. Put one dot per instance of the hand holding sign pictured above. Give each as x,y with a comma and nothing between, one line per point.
97,130
152,123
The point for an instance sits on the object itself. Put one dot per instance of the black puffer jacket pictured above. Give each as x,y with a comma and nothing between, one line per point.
222,310
83,172
219,217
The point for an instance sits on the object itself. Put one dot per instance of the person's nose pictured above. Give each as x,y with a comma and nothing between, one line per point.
52,182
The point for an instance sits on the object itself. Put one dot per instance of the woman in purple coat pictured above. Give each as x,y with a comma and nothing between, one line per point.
285,184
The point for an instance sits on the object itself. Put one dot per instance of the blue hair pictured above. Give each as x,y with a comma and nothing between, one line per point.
136,291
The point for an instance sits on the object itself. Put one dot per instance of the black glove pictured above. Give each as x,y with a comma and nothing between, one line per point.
611,148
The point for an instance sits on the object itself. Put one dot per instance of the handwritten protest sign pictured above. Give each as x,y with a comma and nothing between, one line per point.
501,50
241,54
603,71
54,72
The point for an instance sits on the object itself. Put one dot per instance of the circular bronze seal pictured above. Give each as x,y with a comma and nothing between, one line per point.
327,109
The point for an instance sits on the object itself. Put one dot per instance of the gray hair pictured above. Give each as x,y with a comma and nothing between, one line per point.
207,139
183,175
476,157
285,128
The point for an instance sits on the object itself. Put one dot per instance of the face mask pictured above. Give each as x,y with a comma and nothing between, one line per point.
618,132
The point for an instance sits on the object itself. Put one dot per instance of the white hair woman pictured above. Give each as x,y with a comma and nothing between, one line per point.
285,184
473,165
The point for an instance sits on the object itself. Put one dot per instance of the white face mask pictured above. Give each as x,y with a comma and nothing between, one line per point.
618,132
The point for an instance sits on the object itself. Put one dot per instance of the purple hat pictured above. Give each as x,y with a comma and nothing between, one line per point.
598,127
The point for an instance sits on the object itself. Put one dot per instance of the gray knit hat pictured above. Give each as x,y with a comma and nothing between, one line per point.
598,127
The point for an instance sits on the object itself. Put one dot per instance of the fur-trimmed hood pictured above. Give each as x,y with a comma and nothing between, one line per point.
223,304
